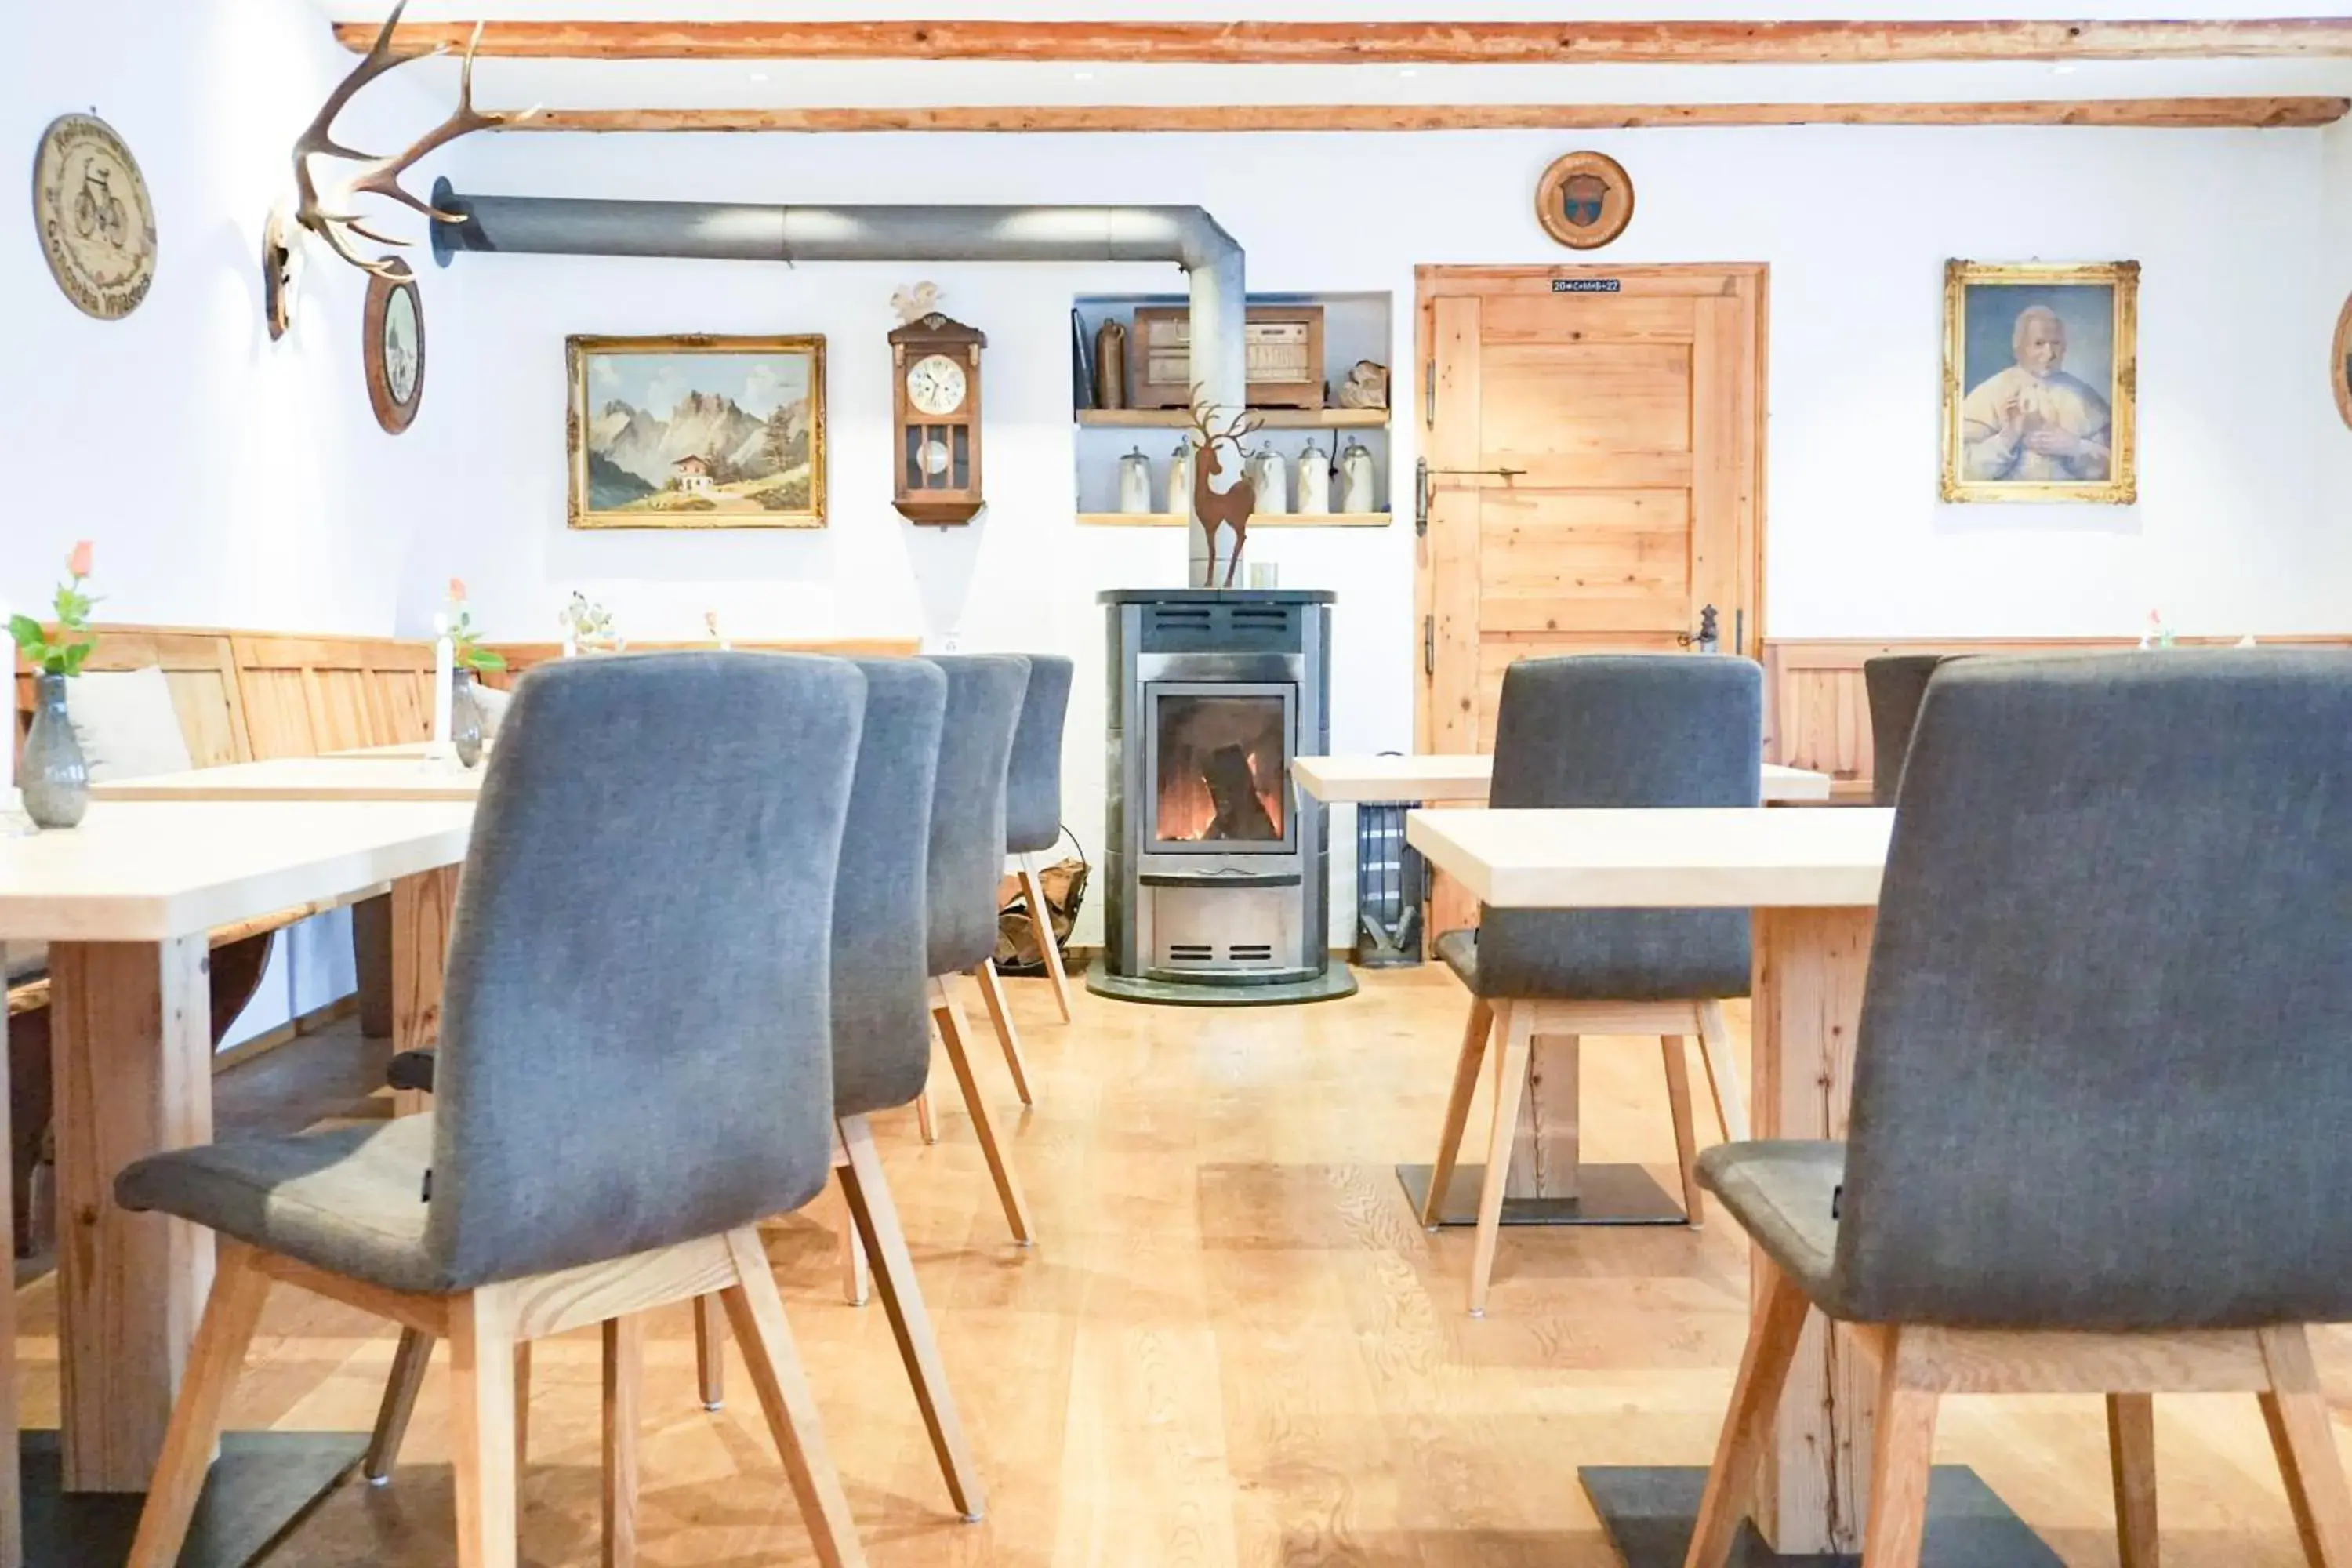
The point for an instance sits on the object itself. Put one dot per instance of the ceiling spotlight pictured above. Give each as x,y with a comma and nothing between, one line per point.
2061,70
1408,70
758,76
1082,76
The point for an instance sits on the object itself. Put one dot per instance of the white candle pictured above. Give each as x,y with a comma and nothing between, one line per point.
444,659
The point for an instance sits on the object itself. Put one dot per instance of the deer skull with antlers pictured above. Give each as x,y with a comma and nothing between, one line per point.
381,177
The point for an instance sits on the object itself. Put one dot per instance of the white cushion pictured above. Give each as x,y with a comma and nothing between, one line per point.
126,724
24,960
491,703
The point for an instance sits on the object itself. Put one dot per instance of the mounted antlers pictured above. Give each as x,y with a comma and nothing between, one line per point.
381,177
1231,507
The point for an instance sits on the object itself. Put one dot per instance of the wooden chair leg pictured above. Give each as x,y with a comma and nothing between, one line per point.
1517,1024
408,1366
1678,1103
877,1222
1041,921
1722,1072
522,1413
624,1363
1901,1455
1748,1425
2131,1453
956,1034
710,1351
926,1116
757,1313
482,1446
992,992
856,1284
1457,1107
231,1310
2295,1409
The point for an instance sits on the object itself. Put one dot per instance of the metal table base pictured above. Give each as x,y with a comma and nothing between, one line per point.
1613,1195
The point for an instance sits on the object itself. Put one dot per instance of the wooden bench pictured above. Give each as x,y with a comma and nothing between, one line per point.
239,696
522,656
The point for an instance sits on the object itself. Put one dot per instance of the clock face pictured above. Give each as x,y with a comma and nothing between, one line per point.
935,385
935,457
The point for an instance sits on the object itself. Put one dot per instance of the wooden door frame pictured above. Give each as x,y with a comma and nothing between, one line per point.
1428,280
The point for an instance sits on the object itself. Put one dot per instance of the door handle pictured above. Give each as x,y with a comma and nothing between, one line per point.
1424,489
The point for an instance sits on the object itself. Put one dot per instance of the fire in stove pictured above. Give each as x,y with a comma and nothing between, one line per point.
1222,761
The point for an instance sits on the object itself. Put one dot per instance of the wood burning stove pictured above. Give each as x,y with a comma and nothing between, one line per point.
1217,872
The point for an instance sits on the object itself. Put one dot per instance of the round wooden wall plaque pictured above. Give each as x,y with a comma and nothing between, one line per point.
1585,200
96,223
392,344
2339,363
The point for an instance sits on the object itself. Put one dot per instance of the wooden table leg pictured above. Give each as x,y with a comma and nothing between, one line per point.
421,908
132,1040
1544,1154
1809,966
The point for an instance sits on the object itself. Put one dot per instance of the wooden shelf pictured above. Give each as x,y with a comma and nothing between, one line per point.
1257,520
1268,418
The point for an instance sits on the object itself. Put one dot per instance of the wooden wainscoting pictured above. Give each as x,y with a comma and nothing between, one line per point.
522,656
307,695
1817,714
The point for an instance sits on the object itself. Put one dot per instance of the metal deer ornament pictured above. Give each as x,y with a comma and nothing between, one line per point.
381,177
1231,507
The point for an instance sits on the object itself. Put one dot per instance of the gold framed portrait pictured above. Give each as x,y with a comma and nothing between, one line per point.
696,432
2041,382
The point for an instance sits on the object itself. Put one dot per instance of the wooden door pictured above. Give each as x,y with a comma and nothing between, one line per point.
1593,440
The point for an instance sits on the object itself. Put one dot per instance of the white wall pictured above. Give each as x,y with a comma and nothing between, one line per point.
1855,223
2332,509
224,479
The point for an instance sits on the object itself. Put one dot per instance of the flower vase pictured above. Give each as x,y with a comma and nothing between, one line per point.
465,719
55,780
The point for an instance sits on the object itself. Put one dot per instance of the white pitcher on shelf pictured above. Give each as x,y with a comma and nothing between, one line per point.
1271,478
1356,479
1313,481
1180,481
1135,483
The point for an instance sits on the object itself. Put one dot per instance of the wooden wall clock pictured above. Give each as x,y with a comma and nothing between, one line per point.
95,222
391,346
935,445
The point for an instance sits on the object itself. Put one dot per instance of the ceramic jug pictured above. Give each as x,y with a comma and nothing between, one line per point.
1313,481
1180,481
1356,478
1271,478
1135,483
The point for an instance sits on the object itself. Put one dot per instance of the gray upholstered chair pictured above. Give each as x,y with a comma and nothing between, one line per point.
881,1057
1599,730
2098,1128
624,921
968,838
1896,684
1033,805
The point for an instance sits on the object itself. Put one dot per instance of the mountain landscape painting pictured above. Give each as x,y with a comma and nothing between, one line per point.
697,432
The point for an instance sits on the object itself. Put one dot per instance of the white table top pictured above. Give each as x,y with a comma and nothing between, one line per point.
306,778
1659,857
1465,776
146,872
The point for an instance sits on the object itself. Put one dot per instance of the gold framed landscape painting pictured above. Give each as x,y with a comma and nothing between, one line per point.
697,432
2041,382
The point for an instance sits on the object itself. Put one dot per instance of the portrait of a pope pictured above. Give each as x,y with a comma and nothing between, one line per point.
2033,422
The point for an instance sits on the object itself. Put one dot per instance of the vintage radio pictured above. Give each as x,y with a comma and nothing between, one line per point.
1284,345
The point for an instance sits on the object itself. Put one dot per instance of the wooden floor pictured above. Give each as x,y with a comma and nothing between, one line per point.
1232,1345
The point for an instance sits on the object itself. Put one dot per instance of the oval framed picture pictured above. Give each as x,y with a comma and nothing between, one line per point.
2339,363
96,221
1584,200
393,346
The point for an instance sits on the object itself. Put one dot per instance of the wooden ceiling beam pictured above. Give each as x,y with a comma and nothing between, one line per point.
2180,113
1833,42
